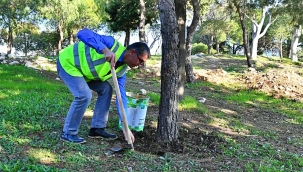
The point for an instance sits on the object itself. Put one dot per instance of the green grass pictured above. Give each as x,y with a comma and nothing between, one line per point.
255,98
191,104
154,60
32,111
154,98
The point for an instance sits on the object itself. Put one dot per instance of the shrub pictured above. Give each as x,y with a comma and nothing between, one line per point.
199,48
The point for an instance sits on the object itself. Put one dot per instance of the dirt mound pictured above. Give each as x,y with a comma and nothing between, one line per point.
278,83
40,63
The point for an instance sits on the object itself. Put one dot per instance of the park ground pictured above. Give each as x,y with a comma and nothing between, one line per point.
251,120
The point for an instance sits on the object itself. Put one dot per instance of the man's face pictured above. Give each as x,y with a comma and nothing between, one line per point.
134,59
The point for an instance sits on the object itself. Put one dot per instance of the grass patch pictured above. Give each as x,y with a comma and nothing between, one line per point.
191,104
154,98
255,98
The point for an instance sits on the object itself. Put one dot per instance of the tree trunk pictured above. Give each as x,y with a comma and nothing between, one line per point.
288,47
190,78
281,48
9,41
61,37
167,129
234,49
294,43
246,50
154,41
71,37
210,44
256,31
127,37
255,39
142,37
189,39
181,16
26,44
254,48
217,47
248,41
142,22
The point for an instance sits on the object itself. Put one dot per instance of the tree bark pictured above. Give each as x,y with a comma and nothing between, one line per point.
189,39
181,16
127,37
142,37
61,36
294,43
256,31
210,41
142,22
26,44
154,41
167,129
217,47
9,41
246,49
281,48
71,36
288,48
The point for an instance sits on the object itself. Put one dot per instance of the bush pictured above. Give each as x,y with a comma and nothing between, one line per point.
199,48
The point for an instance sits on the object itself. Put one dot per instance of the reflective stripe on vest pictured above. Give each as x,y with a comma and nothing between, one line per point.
122,71
90,62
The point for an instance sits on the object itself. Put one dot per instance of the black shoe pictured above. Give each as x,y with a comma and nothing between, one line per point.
101,133
72,138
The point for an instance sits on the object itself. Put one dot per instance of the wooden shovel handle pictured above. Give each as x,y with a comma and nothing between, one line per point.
125,124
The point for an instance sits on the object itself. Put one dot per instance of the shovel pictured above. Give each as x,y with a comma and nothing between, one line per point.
125,124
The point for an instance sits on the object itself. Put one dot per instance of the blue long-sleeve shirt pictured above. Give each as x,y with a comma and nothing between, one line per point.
99,42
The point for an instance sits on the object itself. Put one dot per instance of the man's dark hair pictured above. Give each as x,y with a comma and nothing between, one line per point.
140,47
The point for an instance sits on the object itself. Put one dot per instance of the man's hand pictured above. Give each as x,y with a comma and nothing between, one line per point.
109,56
130,134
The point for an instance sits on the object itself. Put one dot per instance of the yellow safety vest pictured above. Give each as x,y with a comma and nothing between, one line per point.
80,60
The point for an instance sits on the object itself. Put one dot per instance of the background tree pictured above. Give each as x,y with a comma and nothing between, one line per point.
45,43
12,13
3,36
89,16
297,32
167,129
235,39
125,16
214,32
180,6
60,13
186,37
293,6
206,32
240,6
101,12
23,41
216,26
259,30
279,33
155,32
68,16
199,7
